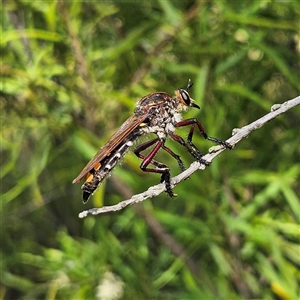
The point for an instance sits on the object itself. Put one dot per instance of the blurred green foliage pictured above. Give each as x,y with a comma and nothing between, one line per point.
71,74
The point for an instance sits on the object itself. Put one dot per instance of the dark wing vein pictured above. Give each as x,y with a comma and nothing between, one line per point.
126,128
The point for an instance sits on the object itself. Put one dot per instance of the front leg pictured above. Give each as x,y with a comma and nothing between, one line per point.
194,122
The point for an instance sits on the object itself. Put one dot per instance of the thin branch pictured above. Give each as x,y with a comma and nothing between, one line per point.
81,63
167,38
17,19
238,135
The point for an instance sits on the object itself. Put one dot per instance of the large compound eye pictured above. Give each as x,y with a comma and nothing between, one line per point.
185,96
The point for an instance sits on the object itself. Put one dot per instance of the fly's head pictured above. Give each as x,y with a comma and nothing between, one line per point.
183,98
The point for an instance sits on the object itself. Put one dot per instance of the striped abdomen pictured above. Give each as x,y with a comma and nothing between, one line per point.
104,167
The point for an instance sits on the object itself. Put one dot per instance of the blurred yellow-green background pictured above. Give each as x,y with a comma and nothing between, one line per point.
71,73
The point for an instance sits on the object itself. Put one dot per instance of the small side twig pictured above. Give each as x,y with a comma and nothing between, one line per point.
167,38
239,134
81,62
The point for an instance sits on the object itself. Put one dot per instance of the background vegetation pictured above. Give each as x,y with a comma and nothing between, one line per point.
71,74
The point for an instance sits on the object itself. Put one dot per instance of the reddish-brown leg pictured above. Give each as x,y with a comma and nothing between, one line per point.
194,122
190,148
148,144
160,168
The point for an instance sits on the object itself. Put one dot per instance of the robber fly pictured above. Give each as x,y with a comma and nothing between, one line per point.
156,113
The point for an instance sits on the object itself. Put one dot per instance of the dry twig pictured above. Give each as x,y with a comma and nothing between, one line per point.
238,135
167,38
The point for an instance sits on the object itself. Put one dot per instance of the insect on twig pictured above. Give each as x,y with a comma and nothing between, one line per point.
156,113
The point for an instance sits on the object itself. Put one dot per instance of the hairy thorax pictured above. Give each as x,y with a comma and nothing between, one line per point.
162,118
